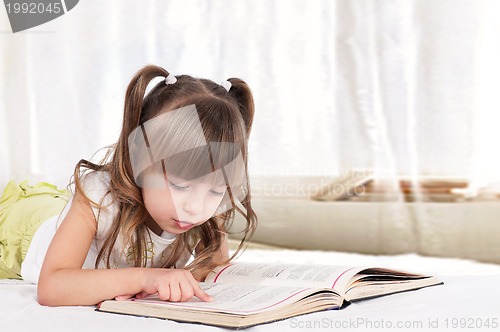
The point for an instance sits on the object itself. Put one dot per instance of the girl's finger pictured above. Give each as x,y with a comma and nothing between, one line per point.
123,297
198,292
175,292
187,291
164,292
201,294
141,295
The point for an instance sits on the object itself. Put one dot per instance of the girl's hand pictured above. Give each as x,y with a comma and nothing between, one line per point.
170,285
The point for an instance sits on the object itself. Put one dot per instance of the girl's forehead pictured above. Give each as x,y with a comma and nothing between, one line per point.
177,139
164,136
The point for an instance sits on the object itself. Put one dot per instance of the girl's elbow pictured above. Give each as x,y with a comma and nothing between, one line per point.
43,299
45,295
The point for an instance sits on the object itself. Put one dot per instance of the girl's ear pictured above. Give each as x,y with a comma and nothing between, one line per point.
241,91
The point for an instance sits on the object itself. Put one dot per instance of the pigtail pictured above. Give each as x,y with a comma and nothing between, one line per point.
132,115
210,235
243,95
123,188
135,95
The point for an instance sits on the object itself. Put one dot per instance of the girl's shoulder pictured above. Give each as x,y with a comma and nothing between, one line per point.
95,181
95,186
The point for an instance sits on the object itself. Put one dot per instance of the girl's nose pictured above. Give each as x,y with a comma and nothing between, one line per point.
193,205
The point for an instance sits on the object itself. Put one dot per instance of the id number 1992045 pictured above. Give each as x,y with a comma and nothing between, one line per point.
33,8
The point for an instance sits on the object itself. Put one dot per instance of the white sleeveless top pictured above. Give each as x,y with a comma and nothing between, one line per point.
95,186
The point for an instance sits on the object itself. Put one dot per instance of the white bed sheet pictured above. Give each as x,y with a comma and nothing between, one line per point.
470,295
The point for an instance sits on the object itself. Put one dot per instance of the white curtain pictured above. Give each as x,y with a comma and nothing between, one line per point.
401,86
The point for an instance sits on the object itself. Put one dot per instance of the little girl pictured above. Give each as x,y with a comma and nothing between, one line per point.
166,191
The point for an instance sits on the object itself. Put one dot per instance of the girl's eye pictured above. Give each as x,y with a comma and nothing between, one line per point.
176,187
217,193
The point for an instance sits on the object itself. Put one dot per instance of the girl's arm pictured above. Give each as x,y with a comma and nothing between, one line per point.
63,281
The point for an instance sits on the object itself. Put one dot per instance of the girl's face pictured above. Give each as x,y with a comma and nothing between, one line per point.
179,205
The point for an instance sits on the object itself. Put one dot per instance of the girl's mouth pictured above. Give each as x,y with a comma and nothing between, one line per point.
183,225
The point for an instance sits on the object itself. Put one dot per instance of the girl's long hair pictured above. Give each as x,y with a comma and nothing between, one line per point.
225,116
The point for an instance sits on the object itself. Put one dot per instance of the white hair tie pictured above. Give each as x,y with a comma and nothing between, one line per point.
170,79
226,84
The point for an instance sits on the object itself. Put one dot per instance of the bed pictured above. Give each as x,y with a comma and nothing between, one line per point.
470,297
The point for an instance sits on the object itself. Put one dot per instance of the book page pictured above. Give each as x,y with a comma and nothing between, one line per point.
238,298
317,276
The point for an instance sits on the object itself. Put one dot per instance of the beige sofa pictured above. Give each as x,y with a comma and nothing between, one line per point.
459,229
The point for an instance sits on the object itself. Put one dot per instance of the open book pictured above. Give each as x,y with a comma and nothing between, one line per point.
247,294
